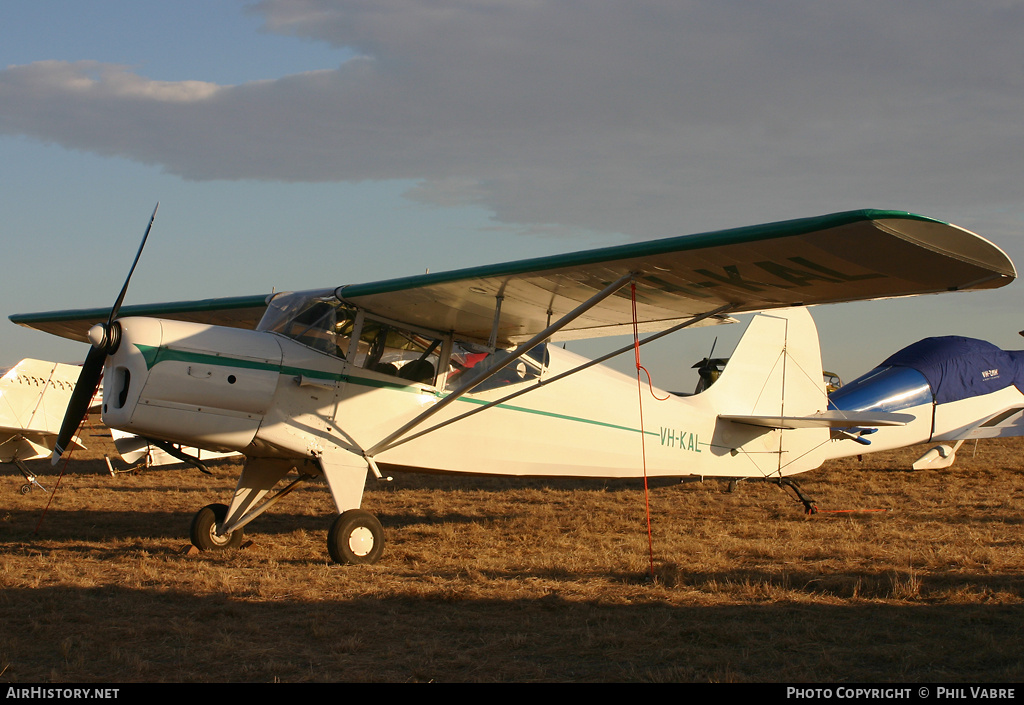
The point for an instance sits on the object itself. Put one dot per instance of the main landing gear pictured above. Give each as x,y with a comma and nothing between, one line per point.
355,537
30,478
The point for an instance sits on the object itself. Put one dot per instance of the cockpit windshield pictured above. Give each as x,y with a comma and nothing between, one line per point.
319,320
316,319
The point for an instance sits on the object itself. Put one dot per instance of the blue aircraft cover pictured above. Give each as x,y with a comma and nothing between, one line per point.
958,368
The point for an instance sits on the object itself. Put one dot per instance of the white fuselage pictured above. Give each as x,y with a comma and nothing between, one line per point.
269,396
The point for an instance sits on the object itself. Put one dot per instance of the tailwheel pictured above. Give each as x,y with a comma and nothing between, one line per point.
204,530
355,537
810,507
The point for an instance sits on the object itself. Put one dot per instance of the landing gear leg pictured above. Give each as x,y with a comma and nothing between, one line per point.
29,476
355,537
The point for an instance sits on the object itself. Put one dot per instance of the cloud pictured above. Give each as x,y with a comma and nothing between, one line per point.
622,117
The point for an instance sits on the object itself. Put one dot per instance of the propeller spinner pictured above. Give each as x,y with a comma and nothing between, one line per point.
105,338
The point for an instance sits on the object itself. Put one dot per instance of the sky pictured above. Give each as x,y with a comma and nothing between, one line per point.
314,143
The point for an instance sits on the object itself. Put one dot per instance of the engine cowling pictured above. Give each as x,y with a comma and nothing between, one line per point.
189,383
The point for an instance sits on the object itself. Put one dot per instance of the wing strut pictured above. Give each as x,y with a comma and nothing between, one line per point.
493,340
519,352
539,384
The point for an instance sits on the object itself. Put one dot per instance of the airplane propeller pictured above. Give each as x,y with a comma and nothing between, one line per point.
709,368
105,338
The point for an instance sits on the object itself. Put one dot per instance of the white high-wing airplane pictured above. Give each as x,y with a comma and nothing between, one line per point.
956,389
453,371
34,396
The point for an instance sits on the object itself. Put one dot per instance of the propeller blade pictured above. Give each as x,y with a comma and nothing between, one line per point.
124,289
104,340
88,382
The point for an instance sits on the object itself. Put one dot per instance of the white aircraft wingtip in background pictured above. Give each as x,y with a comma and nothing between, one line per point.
141,452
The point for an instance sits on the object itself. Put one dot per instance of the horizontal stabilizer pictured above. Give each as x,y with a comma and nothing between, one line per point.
825,419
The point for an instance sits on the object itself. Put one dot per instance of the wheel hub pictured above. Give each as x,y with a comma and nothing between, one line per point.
219,539
360,541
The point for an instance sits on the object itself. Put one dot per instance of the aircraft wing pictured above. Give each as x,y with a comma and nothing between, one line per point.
234,311
857,255
1005,424
851,256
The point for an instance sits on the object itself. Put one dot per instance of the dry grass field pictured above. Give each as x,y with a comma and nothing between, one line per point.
525,580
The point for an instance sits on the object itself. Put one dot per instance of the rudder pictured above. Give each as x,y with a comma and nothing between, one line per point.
775,371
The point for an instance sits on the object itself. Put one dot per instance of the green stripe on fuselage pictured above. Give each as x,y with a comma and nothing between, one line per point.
154,355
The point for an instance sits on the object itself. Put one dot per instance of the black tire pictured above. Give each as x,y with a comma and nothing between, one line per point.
203,530
355,537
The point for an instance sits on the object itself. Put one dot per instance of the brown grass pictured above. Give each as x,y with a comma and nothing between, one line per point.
525,580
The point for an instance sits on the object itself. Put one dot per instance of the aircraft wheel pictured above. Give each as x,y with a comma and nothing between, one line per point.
26,488
355,537
203,532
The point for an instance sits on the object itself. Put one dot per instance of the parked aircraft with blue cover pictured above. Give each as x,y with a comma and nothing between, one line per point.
453,371
955,388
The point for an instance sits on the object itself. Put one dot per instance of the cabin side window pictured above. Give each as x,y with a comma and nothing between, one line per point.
393,350
468,363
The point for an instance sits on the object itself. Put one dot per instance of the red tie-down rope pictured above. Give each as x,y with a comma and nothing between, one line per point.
643,443
63,467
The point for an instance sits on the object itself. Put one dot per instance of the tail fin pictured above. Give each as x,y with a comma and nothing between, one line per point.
773,378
